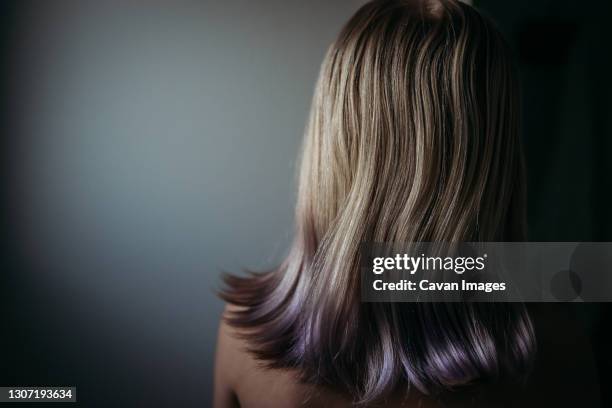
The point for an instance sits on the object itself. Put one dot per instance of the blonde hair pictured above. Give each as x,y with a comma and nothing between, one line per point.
412,137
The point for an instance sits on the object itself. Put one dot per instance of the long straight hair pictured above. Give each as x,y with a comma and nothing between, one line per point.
412,137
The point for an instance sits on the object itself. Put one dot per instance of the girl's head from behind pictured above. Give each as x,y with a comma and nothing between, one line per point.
413,137
414,127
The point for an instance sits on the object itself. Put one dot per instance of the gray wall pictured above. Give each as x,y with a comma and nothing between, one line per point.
152,145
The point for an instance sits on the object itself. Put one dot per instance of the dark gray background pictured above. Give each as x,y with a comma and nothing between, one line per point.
148,145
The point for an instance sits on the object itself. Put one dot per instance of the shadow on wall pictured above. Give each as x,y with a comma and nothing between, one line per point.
564,59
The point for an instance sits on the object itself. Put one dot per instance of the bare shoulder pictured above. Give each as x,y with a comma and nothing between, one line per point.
227,361
243,381
232,351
